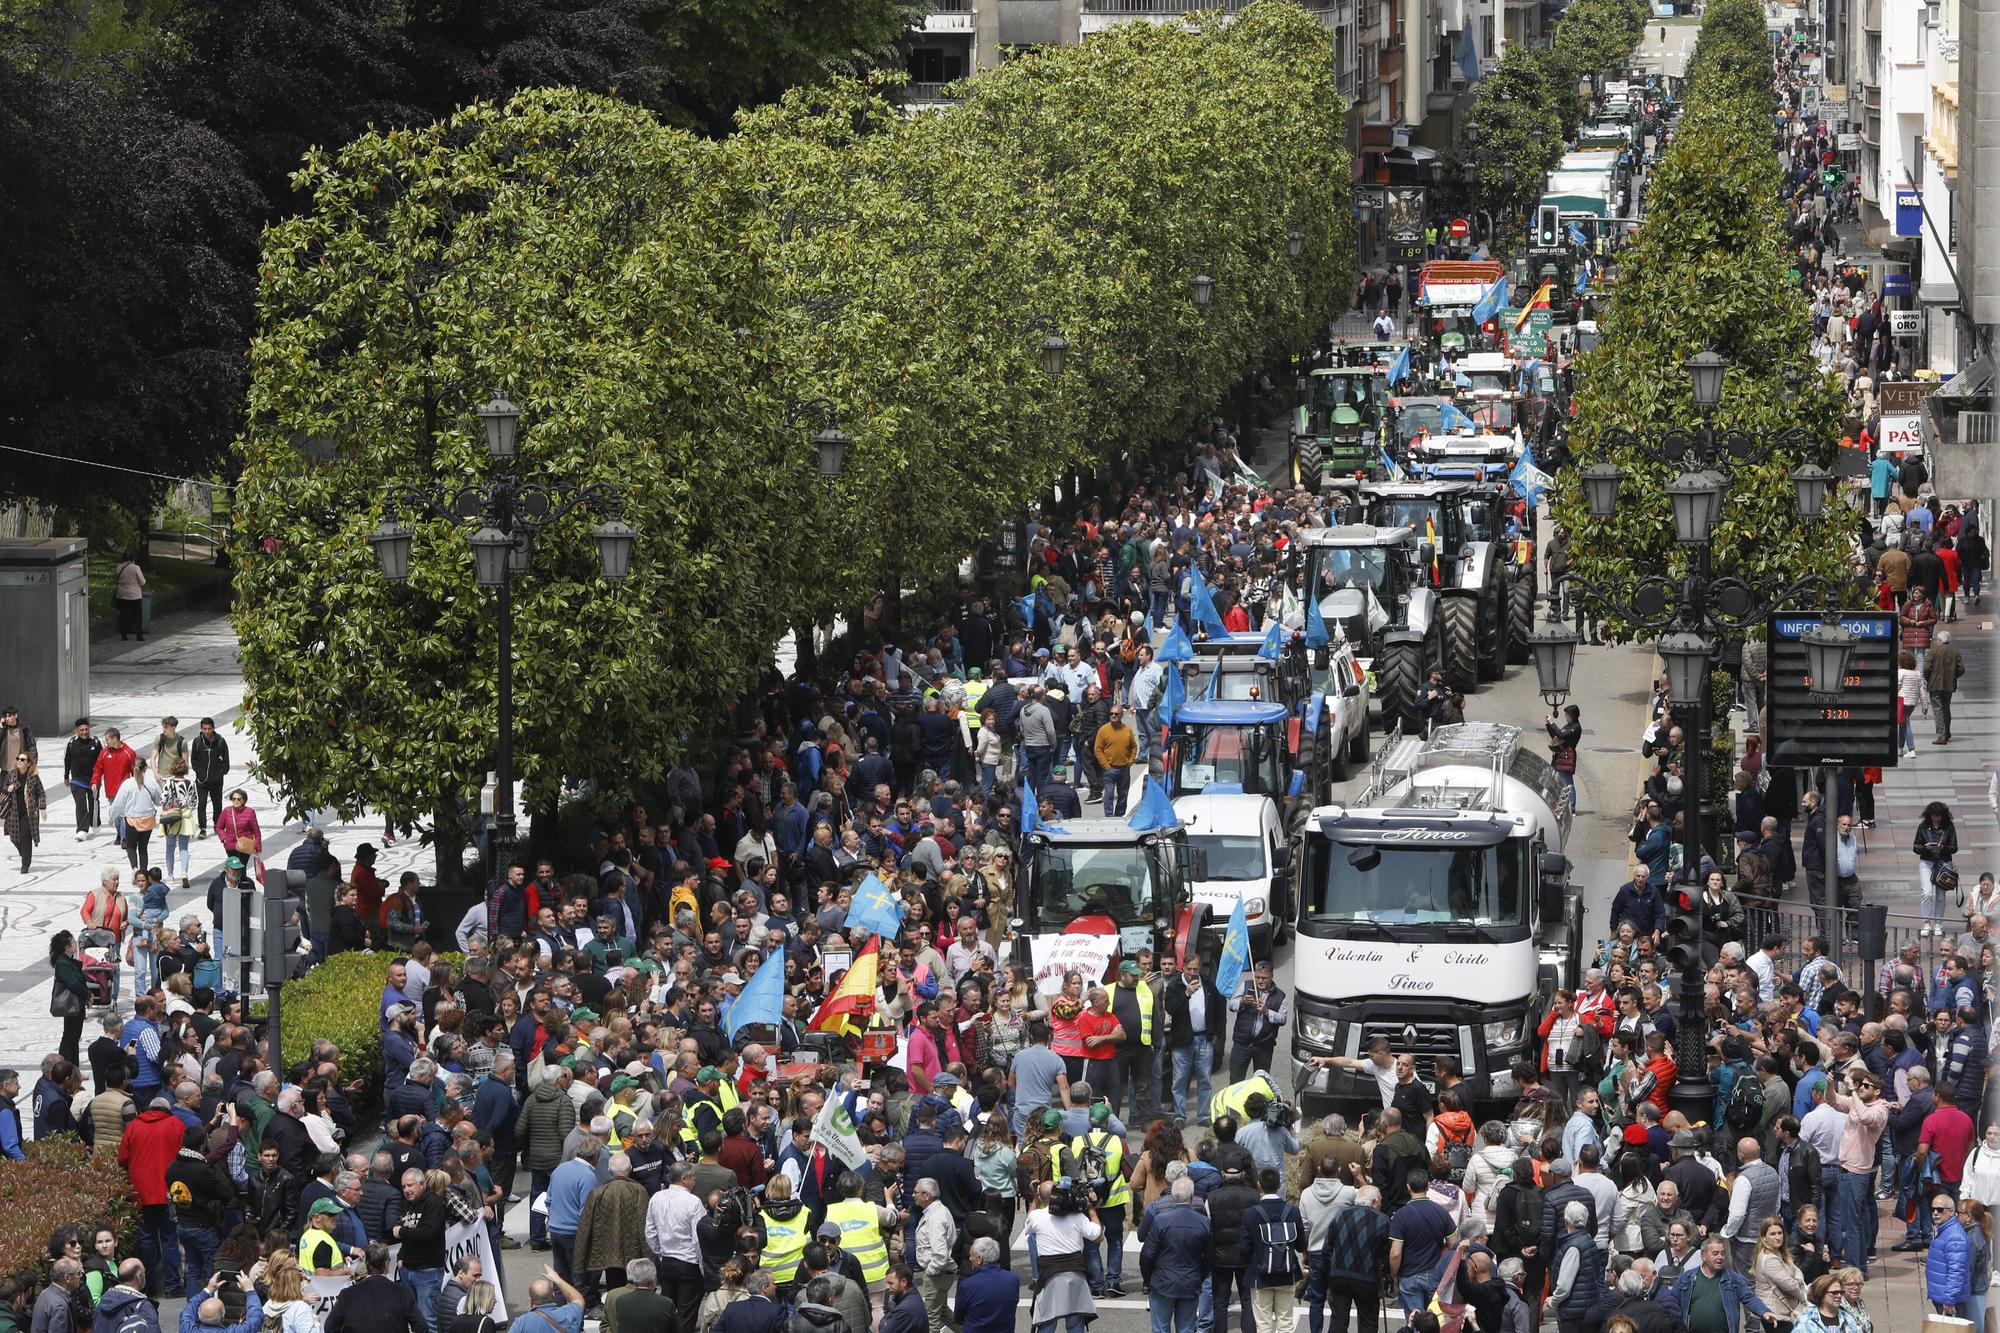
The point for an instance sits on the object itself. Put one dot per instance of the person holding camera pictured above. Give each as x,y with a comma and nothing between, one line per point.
1565,734
1060,1228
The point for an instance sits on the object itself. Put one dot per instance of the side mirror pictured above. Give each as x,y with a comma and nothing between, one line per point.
1426,552
1352,690
1281,857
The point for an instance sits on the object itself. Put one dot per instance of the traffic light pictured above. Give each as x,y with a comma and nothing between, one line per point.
1686,949
280,930
1548,225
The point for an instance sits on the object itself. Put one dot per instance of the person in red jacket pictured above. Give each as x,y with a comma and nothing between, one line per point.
149,1147
107,775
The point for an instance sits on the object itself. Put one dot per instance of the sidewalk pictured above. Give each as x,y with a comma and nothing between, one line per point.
188,669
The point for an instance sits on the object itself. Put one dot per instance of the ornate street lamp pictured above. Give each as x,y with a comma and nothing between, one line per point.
1202,288
1553,647
1705,370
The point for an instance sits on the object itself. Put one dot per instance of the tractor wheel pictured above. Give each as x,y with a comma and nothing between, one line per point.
1460,617
1520,618
1493,631
1312,464
1399,673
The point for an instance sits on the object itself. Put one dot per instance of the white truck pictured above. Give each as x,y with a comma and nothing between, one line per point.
1436,911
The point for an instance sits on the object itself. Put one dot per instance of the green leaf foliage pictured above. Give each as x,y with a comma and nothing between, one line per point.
341,1001
1707,269
656,302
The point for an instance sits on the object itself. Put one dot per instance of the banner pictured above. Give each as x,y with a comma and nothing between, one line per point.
460,1239
834,1131
1057,955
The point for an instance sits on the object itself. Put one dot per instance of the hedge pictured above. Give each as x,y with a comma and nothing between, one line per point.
341,1001
60,1184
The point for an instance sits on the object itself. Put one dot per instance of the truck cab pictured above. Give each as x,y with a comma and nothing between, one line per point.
1435,911
1227,745
1238,849
1098,890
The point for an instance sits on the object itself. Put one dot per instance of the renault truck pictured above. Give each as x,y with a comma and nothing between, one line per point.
1435,911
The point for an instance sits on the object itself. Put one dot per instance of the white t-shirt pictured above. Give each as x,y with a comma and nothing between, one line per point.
1385,1081
1061,1235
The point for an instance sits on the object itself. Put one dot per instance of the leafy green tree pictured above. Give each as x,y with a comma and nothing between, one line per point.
1515,128
1707,270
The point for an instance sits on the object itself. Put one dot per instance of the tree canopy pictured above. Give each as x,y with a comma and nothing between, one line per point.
656,303
1708,270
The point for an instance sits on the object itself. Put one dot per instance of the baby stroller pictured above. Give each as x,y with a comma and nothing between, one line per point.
100,973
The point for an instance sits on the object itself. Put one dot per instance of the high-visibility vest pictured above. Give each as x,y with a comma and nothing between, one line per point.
784,1242
616,1139
861,1236
1230,1101
1145,1013
311,1245
1114,1162
975,690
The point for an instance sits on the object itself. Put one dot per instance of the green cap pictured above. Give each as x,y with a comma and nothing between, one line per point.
323,1208
707,1074
1128,968
622,1082
583,1011
234,862
1052,1118
1100,1114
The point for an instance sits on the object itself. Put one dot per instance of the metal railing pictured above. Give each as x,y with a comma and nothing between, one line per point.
1136,7
1840,927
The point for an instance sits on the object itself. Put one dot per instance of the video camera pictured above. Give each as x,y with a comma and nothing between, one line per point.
1281,1115
1070,1195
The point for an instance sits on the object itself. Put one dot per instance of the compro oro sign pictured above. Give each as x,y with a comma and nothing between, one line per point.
1904,323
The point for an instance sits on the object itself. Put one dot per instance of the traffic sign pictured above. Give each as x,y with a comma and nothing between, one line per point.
1460,229
1856,728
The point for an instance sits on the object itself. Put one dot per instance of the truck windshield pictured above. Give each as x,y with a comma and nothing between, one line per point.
1355,391
1410,511
1246,756
1417,885
1352,584
1071,881
1414,417
1493,414
1232,859
1501,381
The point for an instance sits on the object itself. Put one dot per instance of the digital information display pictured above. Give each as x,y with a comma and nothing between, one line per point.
1856,729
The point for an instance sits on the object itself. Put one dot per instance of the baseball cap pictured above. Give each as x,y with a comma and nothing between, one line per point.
1051,1118
707,1074
234,862
1100,1114
718,863
622,1082
583,1011
323,1208
1128,968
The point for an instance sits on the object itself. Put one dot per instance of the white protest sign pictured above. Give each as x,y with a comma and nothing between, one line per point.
1057,955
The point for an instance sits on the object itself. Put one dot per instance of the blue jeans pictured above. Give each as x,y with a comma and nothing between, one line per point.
1112,1217
1040,759
1414,1290
159,1248
1856,1201
1200,1059
1148,731
1975,1310
1116,781
426,1282
198,1247
178,842
1173,1314
988,775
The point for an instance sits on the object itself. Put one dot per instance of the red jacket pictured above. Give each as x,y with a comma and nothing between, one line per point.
113,767
147,1150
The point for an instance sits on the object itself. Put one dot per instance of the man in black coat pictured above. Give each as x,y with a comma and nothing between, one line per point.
1197,1016
1562,1192
296,1153
377,1303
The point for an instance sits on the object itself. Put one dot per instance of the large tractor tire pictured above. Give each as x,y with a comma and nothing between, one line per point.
1312,463
1520,619
1493,630
1399,674
1460,618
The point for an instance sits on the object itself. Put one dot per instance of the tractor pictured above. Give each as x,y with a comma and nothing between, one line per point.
1465,568
1364,579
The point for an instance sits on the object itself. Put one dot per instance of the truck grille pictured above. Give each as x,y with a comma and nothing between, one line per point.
1431,1041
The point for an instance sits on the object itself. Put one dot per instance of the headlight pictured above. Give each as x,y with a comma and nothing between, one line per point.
1253,907
1320,1031
1506,1032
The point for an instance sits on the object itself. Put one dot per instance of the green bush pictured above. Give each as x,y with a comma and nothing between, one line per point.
60,1184
341,1001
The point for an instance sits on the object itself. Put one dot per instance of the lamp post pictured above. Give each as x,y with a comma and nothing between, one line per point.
505,513
1691,616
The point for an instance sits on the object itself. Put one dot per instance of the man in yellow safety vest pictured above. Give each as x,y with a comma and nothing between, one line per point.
1100,1155
862,1225
1132,1002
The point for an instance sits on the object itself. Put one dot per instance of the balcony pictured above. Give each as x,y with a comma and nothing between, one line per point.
1157,8
947,16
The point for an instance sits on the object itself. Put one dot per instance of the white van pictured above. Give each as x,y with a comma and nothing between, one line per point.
1237,849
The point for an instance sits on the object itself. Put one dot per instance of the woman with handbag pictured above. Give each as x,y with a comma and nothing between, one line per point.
1935,844
138,805
22,803
178,795
237,824
70,999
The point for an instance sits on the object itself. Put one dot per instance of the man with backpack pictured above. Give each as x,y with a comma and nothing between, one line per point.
1098,1159
1274,1240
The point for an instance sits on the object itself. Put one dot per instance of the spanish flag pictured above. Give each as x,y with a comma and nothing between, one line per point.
848,1009
1539,301
1431,536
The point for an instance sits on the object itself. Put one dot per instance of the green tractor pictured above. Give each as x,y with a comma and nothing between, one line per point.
1337,427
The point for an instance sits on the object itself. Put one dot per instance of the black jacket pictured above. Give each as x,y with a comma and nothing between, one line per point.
1226,1207
1553,1203
268,1198
1216,1015
80,758
377,1304
208,759
198,1191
